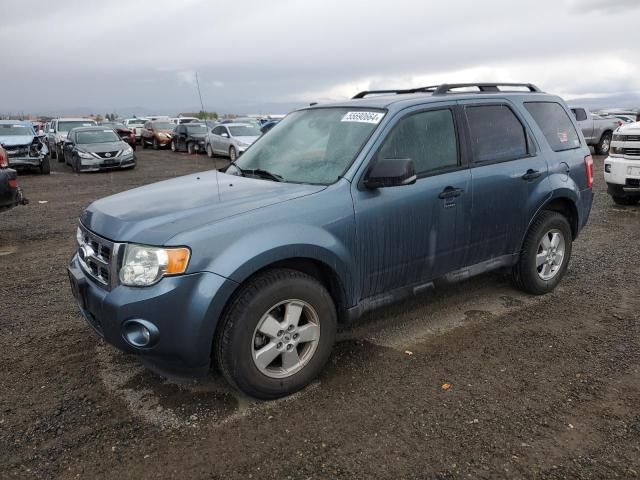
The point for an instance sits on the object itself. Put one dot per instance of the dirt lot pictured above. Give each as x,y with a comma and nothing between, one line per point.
541,387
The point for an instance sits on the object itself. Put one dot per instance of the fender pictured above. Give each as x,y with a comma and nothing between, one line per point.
275,243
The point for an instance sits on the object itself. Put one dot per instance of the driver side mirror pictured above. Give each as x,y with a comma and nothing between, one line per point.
51,130
224,134
391,172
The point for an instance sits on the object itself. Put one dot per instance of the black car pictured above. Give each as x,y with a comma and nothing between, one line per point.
10,194
189,137
89,149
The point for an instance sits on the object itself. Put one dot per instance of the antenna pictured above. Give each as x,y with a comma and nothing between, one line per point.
199,94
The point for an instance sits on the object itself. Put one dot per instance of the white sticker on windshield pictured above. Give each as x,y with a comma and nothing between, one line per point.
107,131
366,117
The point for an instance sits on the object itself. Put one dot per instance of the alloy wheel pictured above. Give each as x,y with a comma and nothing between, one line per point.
550,254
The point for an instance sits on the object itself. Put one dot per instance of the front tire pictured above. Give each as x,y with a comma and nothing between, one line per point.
233,155
59,155
173,146
143,144
209,151
603,146
190,148
545,255
276,334
156,145
627,201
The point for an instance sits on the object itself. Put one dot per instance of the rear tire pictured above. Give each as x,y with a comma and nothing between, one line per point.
541,266
239,338
603,146
45,166
627,201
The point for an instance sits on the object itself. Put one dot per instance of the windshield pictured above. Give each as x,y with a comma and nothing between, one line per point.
66,126
96,136
114,125
136,122
163,125
244,131
197,128
311,146
15,130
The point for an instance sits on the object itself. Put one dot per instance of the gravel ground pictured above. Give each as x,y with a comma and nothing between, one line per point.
538,387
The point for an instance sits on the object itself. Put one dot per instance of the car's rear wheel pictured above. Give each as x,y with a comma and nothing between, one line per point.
545,254
209,151
626,200
276,334
603,146
45,166
233,155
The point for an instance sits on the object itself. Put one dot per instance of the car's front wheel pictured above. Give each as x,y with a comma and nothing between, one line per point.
173,146
143,144
156,145
545,254
603,146
233,155
209,151
277,334
191,148
45,166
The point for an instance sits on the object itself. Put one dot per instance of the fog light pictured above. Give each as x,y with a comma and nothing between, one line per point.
607,167
140,333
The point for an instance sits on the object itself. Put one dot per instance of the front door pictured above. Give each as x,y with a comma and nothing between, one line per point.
411,234
509,179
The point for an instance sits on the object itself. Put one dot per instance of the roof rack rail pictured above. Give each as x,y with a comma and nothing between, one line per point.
447,87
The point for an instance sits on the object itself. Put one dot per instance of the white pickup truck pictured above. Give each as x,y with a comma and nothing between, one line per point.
622,166
597,130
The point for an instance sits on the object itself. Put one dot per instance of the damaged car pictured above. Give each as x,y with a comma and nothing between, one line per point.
24,148
10,194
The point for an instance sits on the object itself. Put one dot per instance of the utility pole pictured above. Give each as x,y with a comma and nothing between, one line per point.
199,94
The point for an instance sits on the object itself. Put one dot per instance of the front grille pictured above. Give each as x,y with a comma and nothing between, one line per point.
17,151
107,154
634,152
97,257
633,182
630,138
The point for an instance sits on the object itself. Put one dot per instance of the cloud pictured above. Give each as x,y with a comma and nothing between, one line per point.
249,53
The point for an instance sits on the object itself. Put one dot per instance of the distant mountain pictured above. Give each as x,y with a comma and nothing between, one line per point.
622,101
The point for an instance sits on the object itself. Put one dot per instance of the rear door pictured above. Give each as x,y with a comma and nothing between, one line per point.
509,179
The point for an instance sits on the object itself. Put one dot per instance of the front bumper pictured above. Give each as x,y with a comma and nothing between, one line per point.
25,161
622,175
97,164
184,310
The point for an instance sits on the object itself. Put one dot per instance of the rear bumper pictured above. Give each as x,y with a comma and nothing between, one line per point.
183,309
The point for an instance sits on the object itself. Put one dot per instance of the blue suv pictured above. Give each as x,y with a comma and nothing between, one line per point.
339,209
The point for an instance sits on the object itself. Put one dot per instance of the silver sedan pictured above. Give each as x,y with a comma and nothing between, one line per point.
230,139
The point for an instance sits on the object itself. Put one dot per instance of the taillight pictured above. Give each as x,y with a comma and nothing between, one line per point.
13,183
588,168
3,159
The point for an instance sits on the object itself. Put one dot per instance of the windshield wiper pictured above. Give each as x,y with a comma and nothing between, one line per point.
260,173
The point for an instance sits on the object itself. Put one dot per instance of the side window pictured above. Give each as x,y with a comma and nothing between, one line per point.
555,124
226,130
496,134
428,138
580,114
217,130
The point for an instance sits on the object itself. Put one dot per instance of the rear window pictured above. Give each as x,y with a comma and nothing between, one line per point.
555,124
496,134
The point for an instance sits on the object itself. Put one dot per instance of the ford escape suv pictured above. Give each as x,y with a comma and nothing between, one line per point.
340,209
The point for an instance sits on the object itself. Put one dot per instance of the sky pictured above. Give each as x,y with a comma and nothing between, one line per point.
255,56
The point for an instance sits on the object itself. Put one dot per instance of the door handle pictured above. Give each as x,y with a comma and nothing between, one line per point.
531,174
450,192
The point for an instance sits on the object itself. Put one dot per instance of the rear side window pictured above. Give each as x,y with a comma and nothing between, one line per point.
579,113
428,138
555,124
496,134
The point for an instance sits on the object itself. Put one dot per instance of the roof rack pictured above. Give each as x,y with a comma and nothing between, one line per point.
447,87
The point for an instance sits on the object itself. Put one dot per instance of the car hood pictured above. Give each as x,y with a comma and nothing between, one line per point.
101,147
629,128
11,140
248,140
153,214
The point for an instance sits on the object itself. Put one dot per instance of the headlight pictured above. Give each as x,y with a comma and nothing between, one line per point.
85,155
143,266
127,151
